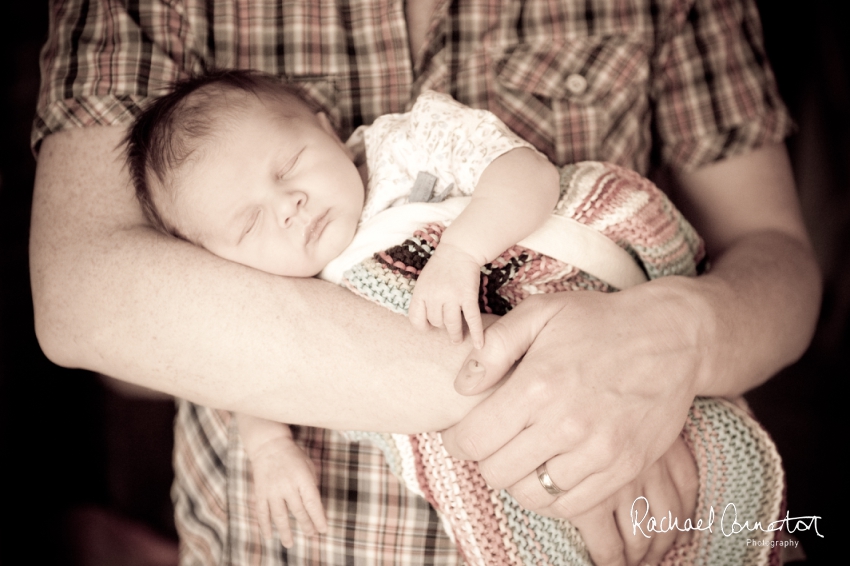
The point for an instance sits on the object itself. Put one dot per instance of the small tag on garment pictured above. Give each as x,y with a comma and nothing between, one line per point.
442,196
423,187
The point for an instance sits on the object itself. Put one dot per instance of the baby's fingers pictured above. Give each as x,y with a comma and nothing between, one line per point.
281,521
264,518
473,321
453,322
435,313
298,510
417,313
313,505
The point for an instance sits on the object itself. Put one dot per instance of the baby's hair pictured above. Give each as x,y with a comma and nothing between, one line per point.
169,130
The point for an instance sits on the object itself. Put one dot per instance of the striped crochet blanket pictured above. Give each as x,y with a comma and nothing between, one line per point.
738,463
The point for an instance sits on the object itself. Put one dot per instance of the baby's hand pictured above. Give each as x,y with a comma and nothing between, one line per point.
448,285
285,478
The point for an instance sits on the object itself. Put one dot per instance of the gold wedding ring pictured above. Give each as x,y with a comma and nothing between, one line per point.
546,481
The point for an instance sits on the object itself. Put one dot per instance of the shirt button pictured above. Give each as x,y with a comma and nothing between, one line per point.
576,84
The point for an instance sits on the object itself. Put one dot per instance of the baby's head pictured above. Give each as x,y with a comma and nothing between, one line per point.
239,164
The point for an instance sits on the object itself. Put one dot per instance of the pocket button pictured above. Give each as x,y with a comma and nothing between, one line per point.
576,84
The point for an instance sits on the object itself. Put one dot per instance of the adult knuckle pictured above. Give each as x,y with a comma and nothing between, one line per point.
585,427
566,429
539,390
609,448
628,456
497,337
469,446
526,497
492,473
564,509
568,507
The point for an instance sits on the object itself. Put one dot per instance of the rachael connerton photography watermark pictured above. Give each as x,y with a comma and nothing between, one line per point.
729,525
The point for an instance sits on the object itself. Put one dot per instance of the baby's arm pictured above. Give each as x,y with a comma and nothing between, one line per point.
284,478
514,196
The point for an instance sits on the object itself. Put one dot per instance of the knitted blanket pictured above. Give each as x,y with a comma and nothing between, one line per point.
737,462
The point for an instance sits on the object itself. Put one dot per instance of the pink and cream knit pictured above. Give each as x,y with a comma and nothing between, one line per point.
736,459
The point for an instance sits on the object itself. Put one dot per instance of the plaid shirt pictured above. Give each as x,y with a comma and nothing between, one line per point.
633,82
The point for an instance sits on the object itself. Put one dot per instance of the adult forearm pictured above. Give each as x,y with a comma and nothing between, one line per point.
113,296
759,303
761,300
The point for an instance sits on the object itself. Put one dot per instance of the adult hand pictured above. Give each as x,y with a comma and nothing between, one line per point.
601,393
617,531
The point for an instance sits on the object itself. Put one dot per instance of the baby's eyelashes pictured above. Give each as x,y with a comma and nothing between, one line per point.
289,166
252,223
255,220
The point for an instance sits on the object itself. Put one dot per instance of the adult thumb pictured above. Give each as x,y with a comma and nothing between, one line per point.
505,342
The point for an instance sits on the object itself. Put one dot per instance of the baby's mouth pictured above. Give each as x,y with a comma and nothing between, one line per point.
313,230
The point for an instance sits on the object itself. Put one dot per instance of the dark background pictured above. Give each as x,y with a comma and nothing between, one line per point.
85,471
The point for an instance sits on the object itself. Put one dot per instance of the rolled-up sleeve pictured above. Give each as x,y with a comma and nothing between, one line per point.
105,58
714,91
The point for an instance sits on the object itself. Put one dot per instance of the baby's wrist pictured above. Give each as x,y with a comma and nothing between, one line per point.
267,445
458,251
257,433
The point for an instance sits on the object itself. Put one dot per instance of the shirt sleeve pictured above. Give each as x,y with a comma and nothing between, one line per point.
459,141
439,136
105,58
714,91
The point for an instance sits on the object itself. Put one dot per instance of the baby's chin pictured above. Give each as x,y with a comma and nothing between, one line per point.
334,251
316,268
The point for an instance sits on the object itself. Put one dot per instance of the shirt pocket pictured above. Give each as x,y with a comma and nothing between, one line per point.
309,53
572,98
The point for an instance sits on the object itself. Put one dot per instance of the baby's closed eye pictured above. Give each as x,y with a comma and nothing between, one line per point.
289,166
251,224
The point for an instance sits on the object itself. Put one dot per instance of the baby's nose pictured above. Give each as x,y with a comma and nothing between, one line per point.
291,207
